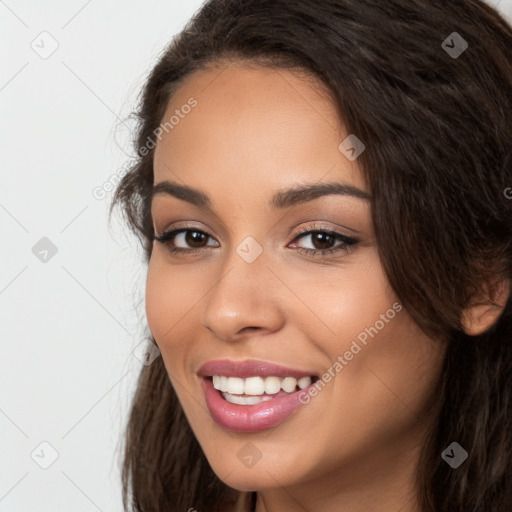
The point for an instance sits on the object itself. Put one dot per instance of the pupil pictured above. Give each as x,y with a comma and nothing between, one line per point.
194,237
324,238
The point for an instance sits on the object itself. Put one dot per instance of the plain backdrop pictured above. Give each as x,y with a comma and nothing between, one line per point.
71,288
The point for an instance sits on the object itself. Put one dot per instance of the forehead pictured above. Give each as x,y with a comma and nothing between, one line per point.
251,124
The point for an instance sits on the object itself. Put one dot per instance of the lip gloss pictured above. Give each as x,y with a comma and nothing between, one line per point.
249,418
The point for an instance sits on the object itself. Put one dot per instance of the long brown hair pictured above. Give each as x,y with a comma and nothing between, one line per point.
438,162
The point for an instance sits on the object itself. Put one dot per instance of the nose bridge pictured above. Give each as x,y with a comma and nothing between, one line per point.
242,296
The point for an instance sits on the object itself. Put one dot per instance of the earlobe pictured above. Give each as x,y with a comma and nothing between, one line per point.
481,316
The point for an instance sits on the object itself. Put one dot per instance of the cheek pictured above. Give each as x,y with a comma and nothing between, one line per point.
159,304
387,373
379,365
170,298
344,303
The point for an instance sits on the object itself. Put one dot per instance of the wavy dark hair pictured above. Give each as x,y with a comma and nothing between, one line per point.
438,161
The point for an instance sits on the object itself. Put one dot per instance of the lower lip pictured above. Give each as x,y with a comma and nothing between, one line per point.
249,418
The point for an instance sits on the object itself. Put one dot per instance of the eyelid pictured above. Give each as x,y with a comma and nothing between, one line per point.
184,225
173,226
344,243
314,229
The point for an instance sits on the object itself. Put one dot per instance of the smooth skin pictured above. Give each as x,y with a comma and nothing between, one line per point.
354,447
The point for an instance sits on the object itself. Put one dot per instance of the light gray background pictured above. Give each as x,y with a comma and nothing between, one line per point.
69,325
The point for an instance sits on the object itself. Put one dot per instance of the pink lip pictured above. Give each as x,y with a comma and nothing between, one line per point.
249,368
249,418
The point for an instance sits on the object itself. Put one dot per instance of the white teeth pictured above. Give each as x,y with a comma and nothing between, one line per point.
257,386
254,386
223,384
272,385
304,382
289,384
249,400
235,386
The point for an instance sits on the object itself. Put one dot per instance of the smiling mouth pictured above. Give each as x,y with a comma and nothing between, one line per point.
255,390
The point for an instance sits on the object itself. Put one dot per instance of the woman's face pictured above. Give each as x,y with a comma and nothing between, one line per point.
258,288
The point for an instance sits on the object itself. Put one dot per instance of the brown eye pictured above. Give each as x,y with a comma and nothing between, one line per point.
193,239
324,242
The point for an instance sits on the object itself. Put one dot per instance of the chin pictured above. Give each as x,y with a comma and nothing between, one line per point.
263,475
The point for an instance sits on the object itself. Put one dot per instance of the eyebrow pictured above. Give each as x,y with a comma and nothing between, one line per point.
281,199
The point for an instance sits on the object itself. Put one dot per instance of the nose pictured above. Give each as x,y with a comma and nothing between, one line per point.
247,298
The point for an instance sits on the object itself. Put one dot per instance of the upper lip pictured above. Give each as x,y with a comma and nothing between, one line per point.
249,368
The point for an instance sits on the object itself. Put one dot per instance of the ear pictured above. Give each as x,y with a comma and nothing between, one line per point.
480,316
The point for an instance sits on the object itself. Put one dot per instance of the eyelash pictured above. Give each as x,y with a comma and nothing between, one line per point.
166,238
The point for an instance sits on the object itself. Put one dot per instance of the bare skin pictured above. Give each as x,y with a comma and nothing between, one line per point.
354,447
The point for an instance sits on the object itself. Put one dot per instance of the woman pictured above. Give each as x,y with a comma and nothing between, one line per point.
320,190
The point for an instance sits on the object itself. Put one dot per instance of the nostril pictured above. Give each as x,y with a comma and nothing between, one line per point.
250,328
